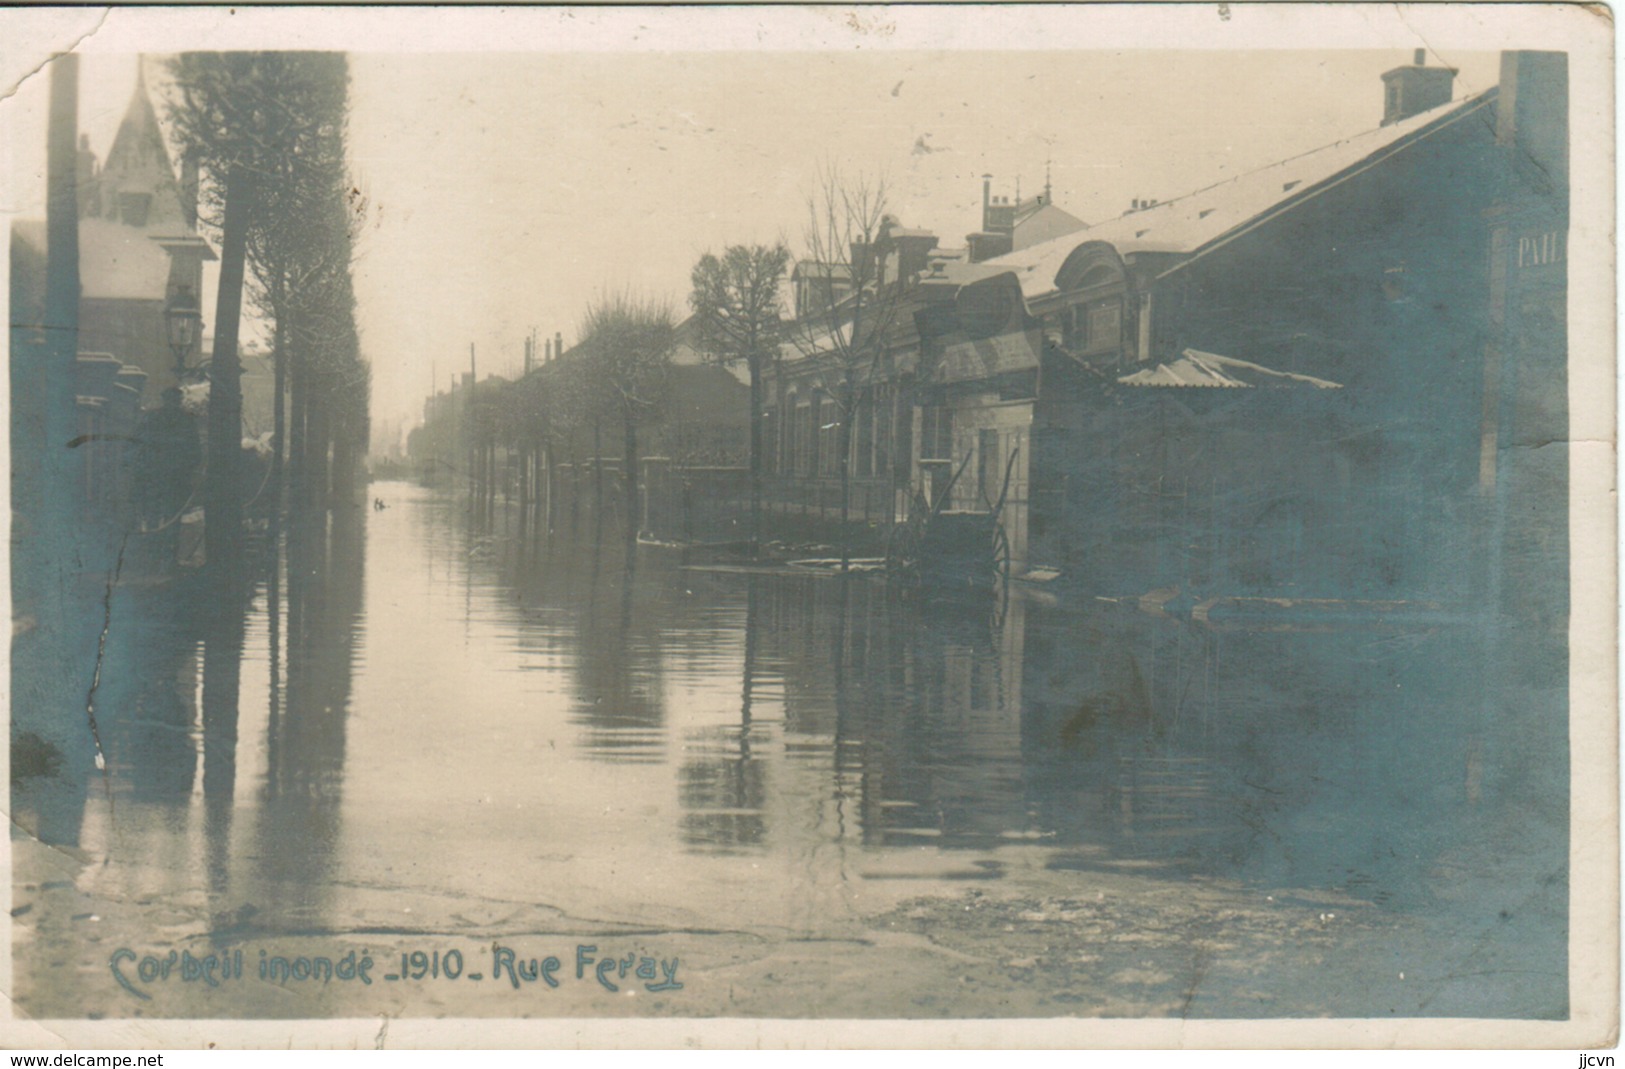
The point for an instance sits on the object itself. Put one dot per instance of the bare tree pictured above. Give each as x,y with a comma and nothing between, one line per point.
852,305
627,345
297,240
738,316
221,107
269,129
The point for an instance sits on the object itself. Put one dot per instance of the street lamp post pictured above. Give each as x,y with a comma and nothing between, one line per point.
185,321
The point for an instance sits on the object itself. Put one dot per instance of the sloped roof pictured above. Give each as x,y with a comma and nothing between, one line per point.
1045,223
1189,223
687,354
139,162
116,262
1194,368
818,269
965,360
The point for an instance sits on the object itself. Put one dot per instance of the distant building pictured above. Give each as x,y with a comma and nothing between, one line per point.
1007,226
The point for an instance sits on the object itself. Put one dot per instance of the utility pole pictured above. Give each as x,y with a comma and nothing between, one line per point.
59,480
48,536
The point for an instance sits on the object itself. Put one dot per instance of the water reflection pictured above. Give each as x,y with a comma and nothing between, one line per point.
300,798
1338,755
222,682
494,713
724,786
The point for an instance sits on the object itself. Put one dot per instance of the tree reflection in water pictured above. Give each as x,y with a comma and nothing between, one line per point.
298,820
781,733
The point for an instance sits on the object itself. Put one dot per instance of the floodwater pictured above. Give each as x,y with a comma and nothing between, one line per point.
821,795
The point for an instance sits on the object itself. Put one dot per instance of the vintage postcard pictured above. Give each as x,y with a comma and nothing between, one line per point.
990,525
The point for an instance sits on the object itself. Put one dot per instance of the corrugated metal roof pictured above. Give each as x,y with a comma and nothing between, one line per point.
1195,368
1186,224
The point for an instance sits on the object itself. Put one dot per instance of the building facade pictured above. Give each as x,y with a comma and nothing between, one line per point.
1298,381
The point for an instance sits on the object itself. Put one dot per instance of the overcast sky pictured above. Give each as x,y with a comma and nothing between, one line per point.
507,190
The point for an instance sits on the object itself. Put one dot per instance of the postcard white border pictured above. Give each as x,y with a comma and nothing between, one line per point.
1585,33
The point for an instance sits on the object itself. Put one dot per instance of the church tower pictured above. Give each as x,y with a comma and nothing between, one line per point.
136,186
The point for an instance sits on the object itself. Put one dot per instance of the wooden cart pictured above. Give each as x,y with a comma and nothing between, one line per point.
950,551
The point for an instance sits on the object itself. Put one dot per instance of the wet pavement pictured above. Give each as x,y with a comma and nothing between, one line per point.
792,794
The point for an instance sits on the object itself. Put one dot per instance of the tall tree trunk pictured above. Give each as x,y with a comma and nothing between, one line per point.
522,453
598,465
630,475
279,431
755,455
223,491
318,441
550,510
491,481
843,443
279,421
344,470
544,486
298,413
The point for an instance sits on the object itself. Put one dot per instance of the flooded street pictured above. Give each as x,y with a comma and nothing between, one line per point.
806,795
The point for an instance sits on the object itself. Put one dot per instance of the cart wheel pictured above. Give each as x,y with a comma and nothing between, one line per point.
1001,575
1001,554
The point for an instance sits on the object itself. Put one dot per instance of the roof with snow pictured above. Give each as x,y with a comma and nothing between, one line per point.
116,262
1187,224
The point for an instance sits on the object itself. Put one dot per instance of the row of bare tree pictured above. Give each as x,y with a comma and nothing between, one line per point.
612,380
843,329
269,129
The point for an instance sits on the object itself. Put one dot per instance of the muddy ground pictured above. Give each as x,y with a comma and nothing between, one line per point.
1005,934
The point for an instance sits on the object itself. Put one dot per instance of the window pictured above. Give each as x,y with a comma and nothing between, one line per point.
795,452
807,415
883,452
133,208
1102,326
937,433
828,428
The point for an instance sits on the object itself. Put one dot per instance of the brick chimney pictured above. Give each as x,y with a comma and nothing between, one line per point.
998,226
1408,91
